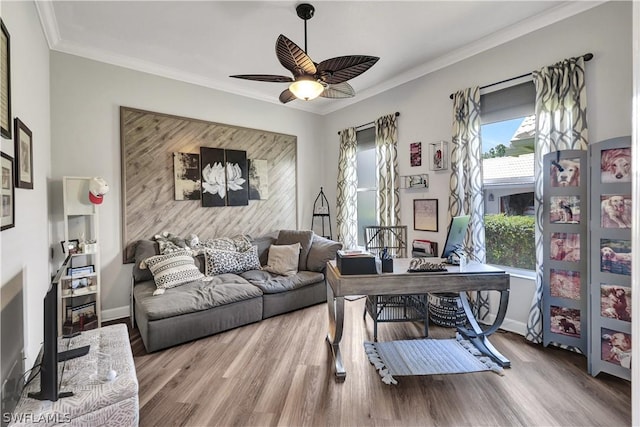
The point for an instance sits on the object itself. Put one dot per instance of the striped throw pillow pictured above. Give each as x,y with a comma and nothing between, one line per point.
173,269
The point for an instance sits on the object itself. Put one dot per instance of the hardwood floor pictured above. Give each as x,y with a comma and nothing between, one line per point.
279,372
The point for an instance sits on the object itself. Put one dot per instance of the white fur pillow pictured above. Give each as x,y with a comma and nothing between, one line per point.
283,259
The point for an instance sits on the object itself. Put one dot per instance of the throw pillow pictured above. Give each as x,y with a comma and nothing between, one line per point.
144,249
168,242
304,237
322,250
173,269
221,262
283,259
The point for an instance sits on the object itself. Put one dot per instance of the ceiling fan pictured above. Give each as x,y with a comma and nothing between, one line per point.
310,80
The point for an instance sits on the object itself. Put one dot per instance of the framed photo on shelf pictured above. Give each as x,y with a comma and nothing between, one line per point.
425,214
80,271
84,316
439,155
5,82
7,191
71,246
24,155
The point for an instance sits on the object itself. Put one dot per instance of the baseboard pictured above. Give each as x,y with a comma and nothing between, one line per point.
115,313
510,325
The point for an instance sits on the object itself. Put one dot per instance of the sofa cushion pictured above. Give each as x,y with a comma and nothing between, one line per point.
143,249
273,284
283,259
221,262
173,269
322,250
304,237
263,243
195,296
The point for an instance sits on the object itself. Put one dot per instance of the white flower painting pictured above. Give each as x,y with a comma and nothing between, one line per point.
224,177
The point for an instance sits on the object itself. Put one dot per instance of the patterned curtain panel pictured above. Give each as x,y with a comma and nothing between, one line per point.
347,197
561,124
388,197
465,185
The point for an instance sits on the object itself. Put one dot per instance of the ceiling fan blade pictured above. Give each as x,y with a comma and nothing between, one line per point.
343,68
287,96
293,58
340,90
264,78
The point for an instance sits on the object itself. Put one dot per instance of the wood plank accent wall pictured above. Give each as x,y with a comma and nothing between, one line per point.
148,141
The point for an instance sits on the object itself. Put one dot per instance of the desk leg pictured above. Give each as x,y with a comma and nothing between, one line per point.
336,322
478,336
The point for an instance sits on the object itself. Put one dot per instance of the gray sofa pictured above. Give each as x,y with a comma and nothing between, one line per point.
226,301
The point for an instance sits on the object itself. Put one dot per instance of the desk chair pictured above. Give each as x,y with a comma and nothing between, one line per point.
397,308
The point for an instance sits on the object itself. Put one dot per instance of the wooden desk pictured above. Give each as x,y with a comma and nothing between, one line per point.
473,277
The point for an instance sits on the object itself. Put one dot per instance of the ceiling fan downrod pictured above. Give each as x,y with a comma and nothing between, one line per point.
305,12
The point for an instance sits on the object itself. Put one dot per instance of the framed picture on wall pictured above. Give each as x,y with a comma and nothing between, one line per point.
8,193
5,82
24,155
439,155
415,152
425,214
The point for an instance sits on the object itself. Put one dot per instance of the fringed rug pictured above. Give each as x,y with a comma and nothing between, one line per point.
427,357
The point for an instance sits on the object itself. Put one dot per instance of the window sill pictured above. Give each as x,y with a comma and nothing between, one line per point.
518,272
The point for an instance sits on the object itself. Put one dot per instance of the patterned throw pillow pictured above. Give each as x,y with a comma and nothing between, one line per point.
168,242
221,261
239,243
173,269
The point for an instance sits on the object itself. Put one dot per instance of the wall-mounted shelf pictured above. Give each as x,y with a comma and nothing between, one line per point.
414,181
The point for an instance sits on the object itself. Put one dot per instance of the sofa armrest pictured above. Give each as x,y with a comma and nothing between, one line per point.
322,250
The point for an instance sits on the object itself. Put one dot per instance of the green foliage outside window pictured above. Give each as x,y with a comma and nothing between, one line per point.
510,240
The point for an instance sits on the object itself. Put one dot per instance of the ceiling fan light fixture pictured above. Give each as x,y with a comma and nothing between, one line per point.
306,88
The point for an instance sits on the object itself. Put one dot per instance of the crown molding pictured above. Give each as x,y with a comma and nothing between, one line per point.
49,22
556,14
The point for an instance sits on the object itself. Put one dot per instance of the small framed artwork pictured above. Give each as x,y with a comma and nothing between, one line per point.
565,173
565,284
565,247
615,302
415,152
615,165
425,214
84,313
80,271
615,211
186,176
615,256
565,321
24,155
72,246
564,210
8,193
5,82
438,155
616,347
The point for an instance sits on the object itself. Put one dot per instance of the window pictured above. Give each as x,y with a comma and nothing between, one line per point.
367,181
508,133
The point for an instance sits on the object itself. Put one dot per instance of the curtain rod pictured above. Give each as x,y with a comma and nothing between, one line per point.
367,124
587,57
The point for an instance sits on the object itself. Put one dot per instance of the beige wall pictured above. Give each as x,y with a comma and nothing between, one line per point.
85,98
426,110
25,248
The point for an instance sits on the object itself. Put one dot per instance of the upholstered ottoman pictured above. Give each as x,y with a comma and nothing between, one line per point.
95,400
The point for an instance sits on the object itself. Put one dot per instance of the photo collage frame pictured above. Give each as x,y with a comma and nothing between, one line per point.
565,228
610,240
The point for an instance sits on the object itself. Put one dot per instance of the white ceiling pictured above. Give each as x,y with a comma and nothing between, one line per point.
204,42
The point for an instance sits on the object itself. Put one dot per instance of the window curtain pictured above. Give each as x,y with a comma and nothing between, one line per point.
347,197
388,196
465,185
561,124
